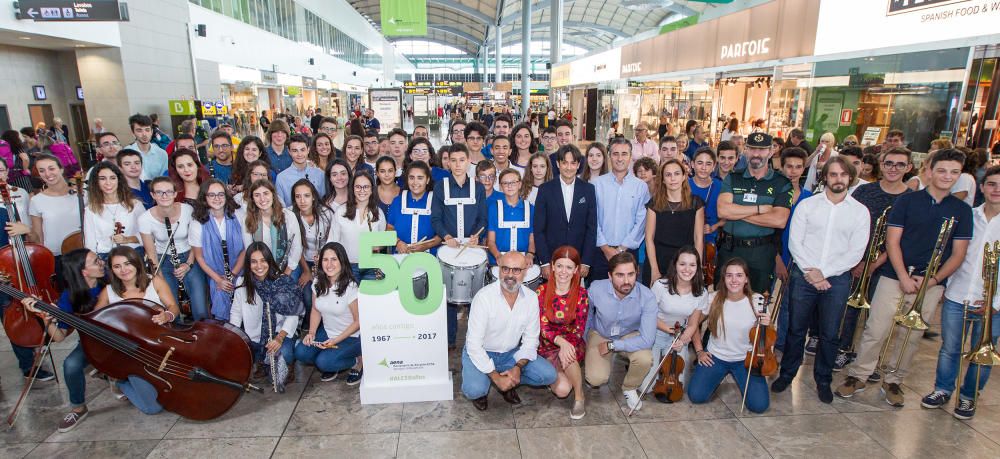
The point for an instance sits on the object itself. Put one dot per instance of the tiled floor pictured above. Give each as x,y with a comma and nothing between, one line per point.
326,419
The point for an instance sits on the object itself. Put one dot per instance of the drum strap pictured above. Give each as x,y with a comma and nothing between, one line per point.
513,226
459,204
415,212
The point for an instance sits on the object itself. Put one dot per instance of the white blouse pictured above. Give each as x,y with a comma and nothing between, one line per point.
60,216
335,310
316,234
733,343
149,225
98,228
348,231
248,316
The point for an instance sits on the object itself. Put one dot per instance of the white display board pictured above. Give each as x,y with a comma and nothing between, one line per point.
420,106
388,106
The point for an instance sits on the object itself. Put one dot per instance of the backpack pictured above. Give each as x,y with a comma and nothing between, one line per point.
64,153
160,138
7,156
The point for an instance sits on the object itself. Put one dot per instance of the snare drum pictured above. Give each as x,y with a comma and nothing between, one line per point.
419,278
463,275
532,276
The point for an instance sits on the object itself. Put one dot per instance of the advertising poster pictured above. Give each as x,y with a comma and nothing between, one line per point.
388,106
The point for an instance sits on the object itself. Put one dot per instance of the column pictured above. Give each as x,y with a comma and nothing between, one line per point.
486,54
526,56
499,71
555,45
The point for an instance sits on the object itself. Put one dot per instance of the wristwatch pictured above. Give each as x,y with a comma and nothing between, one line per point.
611,346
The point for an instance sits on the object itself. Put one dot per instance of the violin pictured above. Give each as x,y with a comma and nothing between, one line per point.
75,239
30,268
760,359
709,263
199,370
669,388
119,229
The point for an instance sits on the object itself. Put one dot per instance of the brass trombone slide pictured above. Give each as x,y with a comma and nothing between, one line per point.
985,353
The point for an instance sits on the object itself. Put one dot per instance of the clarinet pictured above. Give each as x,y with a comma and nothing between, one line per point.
211,168
182,297
225,262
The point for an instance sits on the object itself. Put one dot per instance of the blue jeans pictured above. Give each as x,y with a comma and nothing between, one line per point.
287,351
195,284
805,304
950,357
476,384
329,360
73,368
307,295
782,324
706,380
362,274
141,394
452,316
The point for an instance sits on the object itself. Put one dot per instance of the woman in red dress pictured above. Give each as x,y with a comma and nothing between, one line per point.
563,306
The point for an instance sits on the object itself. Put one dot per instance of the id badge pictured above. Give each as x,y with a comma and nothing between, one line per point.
750,198
615,331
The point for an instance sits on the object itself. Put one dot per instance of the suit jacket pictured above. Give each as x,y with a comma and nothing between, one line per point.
551,229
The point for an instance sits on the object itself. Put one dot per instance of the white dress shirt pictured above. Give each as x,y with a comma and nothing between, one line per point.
966,284
567,195
494,326
829,237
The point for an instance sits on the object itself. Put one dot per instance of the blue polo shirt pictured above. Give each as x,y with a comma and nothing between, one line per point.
502,215
920,217
710,196
444,215
143,194
402,222
278,162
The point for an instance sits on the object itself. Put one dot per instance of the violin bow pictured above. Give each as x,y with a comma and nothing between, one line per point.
753,354
652,382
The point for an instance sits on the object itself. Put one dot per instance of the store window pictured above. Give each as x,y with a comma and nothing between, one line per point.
917,93
669,102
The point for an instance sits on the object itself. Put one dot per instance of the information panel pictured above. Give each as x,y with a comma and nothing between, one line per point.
388,106
404,338
64,10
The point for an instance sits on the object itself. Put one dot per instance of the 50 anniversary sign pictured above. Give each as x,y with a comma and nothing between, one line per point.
403,337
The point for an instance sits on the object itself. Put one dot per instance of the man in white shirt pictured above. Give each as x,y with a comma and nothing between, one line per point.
829,235
501,346
965,289
643,146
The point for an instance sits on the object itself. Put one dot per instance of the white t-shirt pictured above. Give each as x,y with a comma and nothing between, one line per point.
733,341
150,226
676,308
348,231
966,182
336,310
98,228
60,216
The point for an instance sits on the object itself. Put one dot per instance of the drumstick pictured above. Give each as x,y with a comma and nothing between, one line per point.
418,242
466,243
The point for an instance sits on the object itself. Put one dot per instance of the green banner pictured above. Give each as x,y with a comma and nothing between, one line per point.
404,18
688,21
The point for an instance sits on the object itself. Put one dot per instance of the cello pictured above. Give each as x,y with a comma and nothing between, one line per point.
199,370
670,389
29,267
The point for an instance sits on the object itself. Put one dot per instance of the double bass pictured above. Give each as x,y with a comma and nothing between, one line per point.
29,267
199,370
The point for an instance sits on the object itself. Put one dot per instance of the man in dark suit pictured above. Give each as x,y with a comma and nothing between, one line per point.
315,121
555,225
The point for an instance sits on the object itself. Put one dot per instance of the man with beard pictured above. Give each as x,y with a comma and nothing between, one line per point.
623,320
754,202
828,236
501,345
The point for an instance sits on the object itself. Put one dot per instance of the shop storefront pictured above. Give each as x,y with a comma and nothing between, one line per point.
582,87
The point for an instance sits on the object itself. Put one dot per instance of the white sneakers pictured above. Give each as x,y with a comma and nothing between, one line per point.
632,399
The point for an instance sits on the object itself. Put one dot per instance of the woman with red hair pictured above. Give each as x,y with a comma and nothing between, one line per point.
563,308
185,170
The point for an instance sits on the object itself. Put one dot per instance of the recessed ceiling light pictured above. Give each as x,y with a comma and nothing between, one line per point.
25,38
80,46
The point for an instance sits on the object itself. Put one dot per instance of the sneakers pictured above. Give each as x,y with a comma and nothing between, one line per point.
42,376
579,410
841,361
71,420
632,399
779,385
875,377
893,394
329,376
354,377
966,409
825,394
811,345
850,387
935,399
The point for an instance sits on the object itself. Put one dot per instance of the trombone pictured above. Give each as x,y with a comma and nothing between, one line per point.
912,320
859,297
985,353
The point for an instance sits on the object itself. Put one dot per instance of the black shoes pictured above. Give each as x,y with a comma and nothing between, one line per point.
825,394
481,403
779,385
511,397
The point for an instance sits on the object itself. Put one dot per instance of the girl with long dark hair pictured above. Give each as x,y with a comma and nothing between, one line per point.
360,214
110,205
266,221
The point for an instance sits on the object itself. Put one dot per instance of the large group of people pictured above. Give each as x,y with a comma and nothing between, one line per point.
635,249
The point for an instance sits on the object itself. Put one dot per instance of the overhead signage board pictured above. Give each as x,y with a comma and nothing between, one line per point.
387,103
181,107
403,18
70,11
776,30
903,22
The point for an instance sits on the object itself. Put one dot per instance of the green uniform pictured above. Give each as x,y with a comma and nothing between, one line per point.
757,245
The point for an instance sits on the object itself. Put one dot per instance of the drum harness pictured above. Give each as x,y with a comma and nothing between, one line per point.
459,204
416,211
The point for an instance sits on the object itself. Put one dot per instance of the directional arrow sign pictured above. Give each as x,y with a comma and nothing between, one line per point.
72,11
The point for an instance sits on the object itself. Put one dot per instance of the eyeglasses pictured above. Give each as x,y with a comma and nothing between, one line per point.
362,187
215,195
893,165
328,129
487,177
223,146
850,143
510,183
510,270
164,193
